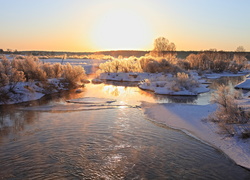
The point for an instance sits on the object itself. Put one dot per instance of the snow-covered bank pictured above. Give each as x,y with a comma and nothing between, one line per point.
225,74
128,77
29,91
188,118
187,84
244,85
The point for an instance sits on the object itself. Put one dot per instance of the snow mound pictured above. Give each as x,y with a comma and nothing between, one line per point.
29,91
244,85
188,118
225,74
181,85
127,77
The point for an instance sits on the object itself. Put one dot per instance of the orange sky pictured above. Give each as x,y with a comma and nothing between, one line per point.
74,25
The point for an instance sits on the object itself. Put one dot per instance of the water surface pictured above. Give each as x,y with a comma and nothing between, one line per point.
55,139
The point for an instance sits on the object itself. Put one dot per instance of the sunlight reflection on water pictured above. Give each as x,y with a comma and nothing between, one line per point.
70,140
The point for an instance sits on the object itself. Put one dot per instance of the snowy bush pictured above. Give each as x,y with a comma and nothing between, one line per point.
143,64
9,75
30,69
73,74
183,80
229,111
121,65
58,70
217,61
180,84
183,64
49,70
31,66
41,77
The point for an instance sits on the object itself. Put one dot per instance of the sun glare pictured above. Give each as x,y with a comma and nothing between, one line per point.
121,29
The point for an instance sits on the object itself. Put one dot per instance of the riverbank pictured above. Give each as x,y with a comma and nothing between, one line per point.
30,91
190,119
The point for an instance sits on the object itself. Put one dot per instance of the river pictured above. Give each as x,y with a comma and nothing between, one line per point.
55,139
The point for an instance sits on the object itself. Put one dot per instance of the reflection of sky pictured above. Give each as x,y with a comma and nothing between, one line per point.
129,95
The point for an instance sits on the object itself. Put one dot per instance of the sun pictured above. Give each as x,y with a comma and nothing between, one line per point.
121,29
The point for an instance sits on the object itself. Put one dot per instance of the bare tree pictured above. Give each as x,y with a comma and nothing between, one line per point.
240,55
163,47
240,49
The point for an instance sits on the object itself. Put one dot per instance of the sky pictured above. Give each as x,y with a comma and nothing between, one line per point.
97,25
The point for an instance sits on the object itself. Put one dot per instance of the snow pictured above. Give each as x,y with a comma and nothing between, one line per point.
225,74
29,91
189,119
169,85
167,91
127,77
159,83
244,85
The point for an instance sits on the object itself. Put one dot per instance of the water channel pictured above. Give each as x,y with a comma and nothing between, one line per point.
55,139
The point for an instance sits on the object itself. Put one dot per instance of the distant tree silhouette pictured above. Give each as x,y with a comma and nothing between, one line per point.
162,47
240,49
1,50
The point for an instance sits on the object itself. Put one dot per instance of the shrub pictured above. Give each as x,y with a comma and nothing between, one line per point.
30,69
15,78
58,70
9,75
73,74
183,80
154,65
4,80
31,66
121,65
49,70
184,64
217,61
143,64
229,111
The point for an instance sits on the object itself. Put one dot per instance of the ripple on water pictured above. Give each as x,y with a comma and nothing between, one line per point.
109,144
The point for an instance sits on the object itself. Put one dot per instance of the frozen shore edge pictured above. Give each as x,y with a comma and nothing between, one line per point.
188,119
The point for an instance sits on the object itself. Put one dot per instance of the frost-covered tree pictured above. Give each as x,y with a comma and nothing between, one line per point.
229,111
163,48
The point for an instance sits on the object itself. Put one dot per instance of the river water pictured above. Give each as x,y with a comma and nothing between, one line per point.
100,138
